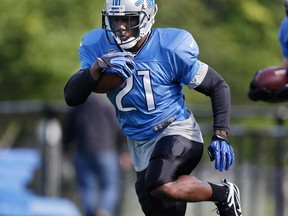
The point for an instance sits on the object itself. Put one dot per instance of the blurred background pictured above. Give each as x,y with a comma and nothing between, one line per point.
39,51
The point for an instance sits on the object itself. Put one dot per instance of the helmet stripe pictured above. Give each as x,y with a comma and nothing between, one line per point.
116,2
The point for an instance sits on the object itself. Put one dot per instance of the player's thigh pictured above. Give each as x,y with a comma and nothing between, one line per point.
172,157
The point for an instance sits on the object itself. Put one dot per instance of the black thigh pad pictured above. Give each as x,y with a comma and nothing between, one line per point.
172,157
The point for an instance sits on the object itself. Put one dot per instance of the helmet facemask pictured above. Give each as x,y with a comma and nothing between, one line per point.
138,24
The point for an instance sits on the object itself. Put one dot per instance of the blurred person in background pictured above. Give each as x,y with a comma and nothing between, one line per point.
283,36
281,95
94,129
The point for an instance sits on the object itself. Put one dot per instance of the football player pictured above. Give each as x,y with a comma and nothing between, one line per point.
283,36
281,95
164,138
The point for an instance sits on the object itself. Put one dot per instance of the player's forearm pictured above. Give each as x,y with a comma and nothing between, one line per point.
79,87
221,108
217,89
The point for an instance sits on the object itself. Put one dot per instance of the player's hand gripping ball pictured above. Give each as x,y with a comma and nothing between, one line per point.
222,152
116,67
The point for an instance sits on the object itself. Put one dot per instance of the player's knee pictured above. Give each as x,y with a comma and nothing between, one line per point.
165,192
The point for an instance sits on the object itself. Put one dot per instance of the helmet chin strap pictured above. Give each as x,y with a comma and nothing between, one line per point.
131,42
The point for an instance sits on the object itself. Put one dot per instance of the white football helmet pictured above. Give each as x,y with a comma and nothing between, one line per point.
143,11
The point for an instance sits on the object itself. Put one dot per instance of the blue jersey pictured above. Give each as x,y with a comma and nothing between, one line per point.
153,97
283,37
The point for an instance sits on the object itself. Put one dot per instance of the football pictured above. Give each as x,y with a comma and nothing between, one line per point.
108,82
271,78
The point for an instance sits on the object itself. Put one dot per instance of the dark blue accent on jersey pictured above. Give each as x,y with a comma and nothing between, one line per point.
154,93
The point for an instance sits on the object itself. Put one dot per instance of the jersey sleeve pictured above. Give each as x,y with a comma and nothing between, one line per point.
85,55
186,63
93,45
199,76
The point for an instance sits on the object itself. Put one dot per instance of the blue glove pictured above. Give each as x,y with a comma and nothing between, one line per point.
121,72
222,152
117,62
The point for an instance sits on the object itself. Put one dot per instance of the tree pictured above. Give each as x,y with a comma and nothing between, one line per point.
39,41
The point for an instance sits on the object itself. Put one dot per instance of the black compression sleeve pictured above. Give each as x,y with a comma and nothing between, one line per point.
218,90
79,87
